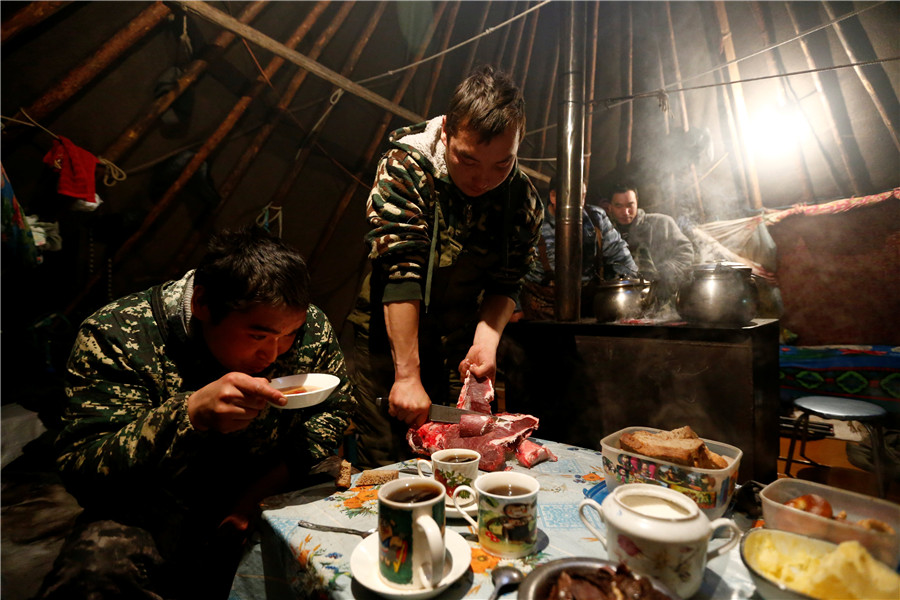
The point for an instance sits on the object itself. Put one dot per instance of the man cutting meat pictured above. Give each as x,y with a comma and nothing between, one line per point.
453,224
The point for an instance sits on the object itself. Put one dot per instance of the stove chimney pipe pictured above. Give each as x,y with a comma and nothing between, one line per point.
570,162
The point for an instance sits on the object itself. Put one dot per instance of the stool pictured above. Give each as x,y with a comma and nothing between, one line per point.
867,414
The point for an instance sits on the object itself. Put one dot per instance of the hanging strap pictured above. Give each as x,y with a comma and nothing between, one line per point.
435,232
598,258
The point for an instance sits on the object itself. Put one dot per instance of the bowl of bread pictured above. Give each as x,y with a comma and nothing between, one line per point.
679,459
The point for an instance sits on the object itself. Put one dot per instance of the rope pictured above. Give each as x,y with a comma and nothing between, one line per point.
113,174
487,31
270,214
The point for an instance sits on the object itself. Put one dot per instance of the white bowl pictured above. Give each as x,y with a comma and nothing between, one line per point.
318,385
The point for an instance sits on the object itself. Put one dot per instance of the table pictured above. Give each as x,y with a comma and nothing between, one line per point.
290,562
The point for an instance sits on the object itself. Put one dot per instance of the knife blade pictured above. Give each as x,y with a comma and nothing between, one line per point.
437,412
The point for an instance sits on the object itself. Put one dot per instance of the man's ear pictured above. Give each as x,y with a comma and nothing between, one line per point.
199,307
444,130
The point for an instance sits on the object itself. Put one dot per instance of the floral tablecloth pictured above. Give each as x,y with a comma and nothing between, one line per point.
290,562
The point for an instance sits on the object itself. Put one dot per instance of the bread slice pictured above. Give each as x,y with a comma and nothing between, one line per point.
680,451
373,477
680,446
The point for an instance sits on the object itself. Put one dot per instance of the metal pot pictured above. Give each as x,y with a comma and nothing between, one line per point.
719,293
621,298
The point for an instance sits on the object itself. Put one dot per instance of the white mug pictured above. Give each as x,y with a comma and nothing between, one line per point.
658,532
411,517
507,512
452,467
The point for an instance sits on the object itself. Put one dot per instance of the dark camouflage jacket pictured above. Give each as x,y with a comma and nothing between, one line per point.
126,426
413,198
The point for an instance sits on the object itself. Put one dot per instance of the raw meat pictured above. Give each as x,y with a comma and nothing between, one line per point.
475,425
476,395
530,453
507,432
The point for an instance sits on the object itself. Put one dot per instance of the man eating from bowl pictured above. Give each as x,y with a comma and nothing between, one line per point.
169,441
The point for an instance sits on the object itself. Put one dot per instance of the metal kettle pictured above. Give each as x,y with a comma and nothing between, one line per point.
719,293
621,298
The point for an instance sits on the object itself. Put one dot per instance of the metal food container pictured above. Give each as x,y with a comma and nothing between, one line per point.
883,546
711,489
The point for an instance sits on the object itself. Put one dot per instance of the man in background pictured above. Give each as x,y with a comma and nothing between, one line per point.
662,252
604,255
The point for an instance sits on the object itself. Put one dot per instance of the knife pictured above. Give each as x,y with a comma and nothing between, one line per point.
437,412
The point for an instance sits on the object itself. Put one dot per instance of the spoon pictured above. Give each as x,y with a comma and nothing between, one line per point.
335,529
503,577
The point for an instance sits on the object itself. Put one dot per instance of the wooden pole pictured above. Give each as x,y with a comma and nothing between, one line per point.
211,144
529,48
592,80
228,187
439,64
682,101
863,78
743,121
209,13
240,168
626,125
549,104
763,15
375,143
828,106
28,17
95,64
473,49
520,27
191,73
501,48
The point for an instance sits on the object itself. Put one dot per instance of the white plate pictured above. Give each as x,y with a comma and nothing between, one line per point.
364,566
452,512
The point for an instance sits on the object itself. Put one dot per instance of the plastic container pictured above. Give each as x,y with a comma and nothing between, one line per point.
883,546
711,489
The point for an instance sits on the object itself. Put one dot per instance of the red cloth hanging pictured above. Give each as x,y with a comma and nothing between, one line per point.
76,168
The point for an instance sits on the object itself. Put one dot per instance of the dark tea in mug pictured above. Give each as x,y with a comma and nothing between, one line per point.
458,459
507,490
417,492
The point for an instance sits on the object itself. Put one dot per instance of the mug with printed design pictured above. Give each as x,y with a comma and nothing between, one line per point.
452,467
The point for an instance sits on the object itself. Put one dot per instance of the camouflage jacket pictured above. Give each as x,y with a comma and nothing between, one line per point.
421,223
126,422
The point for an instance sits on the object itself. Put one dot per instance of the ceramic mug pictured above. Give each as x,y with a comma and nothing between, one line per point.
411,533
507,512
452,467
658,532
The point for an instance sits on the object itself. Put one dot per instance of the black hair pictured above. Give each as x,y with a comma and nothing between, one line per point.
488,102
251,266
623,188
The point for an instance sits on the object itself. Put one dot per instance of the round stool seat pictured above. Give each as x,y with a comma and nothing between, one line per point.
842,409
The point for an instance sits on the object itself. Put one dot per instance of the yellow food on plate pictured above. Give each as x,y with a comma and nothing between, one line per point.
848,571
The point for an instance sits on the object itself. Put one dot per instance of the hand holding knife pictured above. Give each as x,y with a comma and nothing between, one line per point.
437,412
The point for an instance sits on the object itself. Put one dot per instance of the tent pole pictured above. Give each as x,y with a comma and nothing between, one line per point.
743,121
439,64
549,104
626,124
228,187
470,59
376,142
764,19
93,65
213,15
240,168
685,121
194,70
529,48
520,28
28,17
827,104
863,79
501,47
201,155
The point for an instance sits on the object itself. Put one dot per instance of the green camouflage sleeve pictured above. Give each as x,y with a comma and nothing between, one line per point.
396,212
319,352
118,418
525,231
